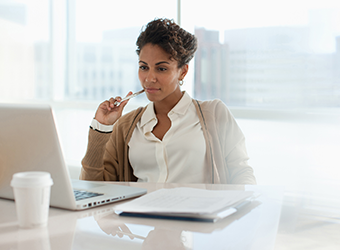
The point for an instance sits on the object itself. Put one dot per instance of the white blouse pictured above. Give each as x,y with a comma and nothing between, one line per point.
180,157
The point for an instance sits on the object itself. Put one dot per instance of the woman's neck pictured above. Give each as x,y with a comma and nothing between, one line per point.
163,107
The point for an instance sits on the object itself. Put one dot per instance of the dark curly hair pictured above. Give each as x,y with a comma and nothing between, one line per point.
180,44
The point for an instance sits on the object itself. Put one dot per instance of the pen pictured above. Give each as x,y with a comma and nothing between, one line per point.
128,97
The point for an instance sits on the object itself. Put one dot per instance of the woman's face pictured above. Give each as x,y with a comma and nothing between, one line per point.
159,74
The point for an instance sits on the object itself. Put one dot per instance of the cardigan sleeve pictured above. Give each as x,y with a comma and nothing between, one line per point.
106,157
99,163
237,163
233,146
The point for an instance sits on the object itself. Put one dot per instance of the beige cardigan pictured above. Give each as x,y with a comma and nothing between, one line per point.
107,158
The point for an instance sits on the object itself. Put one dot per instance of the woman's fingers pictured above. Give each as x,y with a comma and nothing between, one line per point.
111,103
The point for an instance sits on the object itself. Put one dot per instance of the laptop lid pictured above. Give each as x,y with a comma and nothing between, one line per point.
29,142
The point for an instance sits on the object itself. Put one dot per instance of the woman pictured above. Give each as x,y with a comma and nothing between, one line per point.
174,138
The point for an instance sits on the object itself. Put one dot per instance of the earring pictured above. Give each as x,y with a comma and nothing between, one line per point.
181,82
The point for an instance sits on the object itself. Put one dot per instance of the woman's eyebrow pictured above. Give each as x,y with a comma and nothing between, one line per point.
156,63
162,62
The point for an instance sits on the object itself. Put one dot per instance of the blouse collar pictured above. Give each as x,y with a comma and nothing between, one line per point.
180,108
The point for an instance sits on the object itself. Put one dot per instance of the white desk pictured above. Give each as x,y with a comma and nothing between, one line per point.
274,221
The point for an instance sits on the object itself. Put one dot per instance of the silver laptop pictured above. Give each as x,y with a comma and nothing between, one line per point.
29,142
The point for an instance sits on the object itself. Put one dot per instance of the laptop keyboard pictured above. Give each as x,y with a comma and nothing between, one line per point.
81,195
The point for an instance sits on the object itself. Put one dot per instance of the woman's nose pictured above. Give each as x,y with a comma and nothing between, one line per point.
150,77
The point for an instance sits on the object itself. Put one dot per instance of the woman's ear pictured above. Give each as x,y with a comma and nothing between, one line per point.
184,71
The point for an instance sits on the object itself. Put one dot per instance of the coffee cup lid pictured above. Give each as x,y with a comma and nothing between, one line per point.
31,179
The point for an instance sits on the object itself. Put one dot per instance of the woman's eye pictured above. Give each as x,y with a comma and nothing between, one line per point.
162,69
143,67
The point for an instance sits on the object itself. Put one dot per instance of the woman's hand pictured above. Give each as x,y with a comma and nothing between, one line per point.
108,113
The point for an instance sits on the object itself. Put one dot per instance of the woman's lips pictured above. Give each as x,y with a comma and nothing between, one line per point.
151,90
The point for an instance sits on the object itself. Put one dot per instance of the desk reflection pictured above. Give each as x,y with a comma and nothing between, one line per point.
39,241
140,233
254,227
170,239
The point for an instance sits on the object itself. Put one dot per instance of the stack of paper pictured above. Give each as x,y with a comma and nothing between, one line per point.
186,204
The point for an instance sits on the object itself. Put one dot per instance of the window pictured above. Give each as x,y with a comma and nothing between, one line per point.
25,46
276,64
283,55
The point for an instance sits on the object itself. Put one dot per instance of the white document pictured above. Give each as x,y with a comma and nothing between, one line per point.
186,201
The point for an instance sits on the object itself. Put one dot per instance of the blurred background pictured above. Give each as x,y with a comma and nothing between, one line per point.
276,65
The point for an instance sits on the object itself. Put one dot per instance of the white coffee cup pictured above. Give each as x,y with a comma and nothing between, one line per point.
32,198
